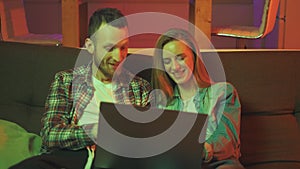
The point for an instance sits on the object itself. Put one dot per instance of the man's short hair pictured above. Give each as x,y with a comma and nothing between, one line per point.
107,16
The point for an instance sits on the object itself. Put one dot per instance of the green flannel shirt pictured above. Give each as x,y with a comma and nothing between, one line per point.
221,102
70,93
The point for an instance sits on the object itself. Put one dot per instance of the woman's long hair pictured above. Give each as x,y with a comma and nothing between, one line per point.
160,79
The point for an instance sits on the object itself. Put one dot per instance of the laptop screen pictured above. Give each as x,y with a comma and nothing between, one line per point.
141,138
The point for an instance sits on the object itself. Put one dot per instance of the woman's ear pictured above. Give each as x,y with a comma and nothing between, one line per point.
89,45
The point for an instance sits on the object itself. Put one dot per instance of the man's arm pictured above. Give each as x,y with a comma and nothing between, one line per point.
59,127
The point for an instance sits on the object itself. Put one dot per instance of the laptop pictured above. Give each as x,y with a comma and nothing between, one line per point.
148,138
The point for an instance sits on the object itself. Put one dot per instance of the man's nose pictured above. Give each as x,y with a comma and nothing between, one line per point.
117,54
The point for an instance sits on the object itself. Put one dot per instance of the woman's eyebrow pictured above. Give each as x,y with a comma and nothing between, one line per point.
180,55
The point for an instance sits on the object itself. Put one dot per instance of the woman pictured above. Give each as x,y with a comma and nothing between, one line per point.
188,87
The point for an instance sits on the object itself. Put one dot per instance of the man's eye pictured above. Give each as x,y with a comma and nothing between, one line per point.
109,49
123,48
166,61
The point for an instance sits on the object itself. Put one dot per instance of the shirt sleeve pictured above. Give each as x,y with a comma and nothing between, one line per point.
59,129
225,139
141,90
147,98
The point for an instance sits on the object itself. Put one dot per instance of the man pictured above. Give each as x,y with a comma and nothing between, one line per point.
72,106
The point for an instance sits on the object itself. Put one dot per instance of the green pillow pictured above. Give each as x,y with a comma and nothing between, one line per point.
16,144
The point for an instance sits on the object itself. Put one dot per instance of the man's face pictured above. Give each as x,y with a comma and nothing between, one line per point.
110,48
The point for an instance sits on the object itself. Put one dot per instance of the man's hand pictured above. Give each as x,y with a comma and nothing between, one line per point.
94,131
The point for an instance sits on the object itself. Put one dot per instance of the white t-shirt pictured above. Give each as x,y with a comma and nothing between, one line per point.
189,106
103,92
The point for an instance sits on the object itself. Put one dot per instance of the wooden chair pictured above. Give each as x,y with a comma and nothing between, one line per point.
14,26
251,32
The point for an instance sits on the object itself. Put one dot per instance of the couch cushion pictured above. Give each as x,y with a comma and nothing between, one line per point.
276,165
265,80
28,71
267,139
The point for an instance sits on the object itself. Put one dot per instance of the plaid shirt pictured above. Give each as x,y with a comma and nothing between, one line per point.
221,102
70,93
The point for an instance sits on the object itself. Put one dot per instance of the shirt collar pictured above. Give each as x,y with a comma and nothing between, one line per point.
197,97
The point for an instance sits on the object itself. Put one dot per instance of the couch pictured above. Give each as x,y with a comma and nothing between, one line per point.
268,83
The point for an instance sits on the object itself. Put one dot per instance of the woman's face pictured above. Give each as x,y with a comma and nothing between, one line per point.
178,60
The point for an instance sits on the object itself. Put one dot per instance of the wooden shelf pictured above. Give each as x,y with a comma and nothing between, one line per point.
75,18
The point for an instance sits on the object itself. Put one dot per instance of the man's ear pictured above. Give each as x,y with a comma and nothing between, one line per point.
89,45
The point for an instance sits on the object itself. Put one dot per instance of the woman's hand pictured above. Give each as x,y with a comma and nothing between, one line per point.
208,152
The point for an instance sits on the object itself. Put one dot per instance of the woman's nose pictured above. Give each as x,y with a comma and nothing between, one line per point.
175,65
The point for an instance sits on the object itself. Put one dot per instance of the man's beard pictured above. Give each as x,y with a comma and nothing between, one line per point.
107,74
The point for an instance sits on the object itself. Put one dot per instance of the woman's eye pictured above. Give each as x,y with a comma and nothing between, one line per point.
180,57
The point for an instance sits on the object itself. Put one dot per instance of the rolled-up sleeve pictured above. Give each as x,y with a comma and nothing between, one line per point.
226,137
58,131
